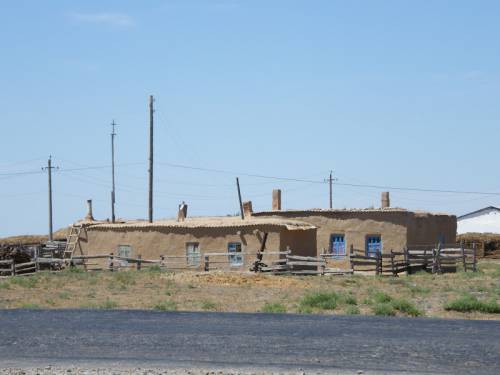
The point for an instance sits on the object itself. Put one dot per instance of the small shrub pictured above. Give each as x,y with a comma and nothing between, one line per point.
469,303
417,289
384,309
64,294
381,297
108,304
406,307
50,302
4,285
350,300
165,306
275,307
209,305
352,310
320,300
304,310
154,268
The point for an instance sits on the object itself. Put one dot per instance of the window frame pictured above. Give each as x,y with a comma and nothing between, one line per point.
119,253
193,258
235,256
367,247
331,248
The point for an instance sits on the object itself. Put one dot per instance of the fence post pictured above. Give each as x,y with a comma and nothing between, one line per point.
111,262
394,273
351,253
474,258
377,263
464,261
207,266
406,260
12,267
138,264
424,265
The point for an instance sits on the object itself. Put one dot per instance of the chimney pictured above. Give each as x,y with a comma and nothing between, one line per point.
386,203
247,209
183,211
276,200
89,216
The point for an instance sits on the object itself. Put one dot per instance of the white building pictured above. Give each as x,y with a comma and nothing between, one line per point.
485,220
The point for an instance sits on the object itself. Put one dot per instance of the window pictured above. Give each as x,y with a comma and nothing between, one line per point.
337,245
126,252
235,256
193,255
373,246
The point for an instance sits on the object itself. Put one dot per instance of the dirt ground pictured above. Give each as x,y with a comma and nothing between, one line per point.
249,292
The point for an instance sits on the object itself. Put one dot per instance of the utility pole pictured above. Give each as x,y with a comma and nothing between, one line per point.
113,134
151,111
49,168
239,197
330,183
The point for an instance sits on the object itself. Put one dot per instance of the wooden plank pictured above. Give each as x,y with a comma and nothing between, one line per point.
297,257
311,264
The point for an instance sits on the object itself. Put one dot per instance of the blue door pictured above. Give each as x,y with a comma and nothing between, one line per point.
337,245
373,246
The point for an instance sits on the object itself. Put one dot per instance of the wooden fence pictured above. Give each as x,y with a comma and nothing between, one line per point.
438,259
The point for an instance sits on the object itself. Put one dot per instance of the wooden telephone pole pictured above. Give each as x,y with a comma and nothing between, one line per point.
113,134
151,111
242,214
330,183
49,168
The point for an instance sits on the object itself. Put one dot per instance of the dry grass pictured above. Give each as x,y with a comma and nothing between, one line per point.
416,295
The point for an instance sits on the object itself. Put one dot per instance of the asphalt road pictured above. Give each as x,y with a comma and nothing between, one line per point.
264,341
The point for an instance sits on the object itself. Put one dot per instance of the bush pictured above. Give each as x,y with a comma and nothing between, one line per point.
273,308
406,307
165,306
352,310
349,300
381,297
4,285
154,268
384,309
469,303
320,300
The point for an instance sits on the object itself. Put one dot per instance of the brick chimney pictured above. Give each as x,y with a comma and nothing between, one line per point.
386,203
183,211
247,209
276,199
89,216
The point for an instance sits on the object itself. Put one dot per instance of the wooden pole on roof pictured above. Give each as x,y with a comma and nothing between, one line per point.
239,197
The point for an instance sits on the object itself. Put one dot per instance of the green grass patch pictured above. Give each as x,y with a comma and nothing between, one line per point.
383,309
381,297
352,310
4,285
275,307
64,295
24,281
406,307
107,305
208,305
33,306
469,303
154,268
125,277
349,299
165,306
320,300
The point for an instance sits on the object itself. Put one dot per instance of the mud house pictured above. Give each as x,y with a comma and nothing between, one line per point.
369,230
189,239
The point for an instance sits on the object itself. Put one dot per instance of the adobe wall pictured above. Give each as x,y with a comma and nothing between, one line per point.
427,229
151,243
356,226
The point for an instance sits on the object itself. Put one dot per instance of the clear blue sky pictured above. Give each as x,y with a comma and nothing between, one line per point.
400,93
